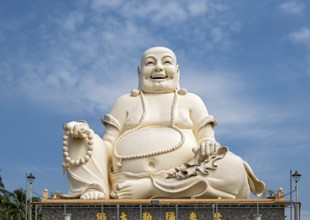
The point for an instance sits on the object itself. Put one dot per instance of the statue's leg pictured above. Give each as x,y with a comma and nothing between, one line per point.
228,180
148,187
93,174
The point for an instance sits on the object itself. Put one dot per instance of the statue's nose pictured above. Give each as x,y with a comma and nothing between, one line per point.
159,68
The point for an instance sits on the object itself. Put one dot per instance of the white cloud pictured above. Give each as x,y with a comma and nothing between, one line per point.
235,26
197,8
73,20
292,7
238,115
219,6
224,93
217,35
101,52
157,12
105,4
172,12
301,36
72,92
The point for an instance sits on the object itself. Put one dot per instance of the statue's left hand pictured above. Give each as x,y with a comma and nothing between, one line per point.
209,147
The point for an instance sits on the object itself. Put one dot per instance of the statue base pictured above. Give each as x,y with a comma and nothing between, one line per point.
169,209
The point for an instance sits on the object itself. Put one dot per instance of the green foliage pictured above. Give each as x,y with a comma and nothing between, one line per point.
12,204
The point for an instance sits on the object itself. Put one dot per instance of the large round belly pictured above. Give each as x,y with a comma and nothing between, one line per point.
149,140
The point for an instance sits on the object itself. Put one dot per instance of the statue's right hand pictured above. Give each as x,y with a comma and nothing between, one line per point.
76,129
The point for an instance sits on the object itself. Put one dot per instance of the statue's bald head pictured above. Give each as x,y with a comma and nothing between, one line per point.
155,50
158,71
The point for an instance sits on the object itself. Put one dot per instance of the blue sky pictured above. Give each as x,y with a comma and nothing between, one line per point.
69,60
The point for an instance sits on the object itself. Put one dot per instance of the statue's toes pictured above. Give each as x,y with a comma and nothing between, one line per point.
124,195
99,195
93,195
119,186
123,186
84,196
114,195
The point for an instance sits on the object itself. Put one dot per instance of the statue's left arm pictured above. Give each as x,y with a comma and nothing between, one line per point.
203,126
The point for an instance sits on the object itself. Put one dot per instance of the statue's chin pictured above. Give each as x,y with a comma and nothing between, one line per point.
158,91
158,87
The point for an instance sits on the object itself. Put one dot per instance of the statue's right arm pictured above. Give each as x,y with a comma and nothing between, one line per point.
89,177
120,110
114,121
111,133
87,171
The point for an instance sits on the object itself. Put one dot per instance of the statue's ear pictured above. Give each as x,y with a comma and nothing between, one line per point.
178,76
139,74
139,71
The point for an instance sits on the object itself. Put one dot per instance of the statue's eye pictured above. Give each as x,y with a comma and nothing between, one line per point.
150,63
167,61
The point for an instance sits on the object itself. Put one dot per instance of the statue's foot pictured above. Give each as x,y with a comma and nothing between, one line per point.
93,195
134,189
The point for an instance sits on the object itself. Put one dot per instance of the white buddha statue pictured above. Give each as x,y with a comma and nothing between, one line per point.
158,143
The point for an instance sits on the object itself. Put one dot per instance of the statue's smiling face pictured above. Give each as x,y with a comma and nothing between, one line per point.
158,71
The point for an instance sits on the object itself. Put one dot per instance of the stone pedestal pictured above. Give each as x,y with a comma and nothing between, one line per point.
257,209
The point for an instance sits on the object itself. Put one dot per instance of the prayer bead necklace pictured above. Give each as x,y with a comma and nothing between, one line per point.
139,126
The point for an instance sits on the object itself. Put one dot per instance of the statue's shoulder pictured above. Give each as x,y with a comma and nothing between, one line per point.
192,100
191,96
126,99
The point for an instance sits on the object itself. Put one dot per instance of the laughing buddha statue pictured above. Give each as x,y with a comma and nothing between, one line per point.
158,143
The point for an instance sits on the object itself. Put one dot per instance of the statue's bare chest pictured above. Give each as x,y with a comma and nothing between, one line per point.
158,111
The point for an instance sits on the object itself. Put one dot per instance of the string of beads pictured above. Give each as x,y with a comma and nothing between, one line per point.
68,160
139,126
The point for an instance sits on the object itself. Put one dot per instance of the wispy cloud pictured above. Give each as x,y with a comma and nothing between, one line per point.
73,20
159,12
197,8
292,7
71,92
302,36
105,4
83,55
239,115
153,11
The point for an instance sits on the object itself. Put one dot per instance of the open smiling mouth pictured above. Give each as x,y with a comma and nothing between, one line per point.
159,77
